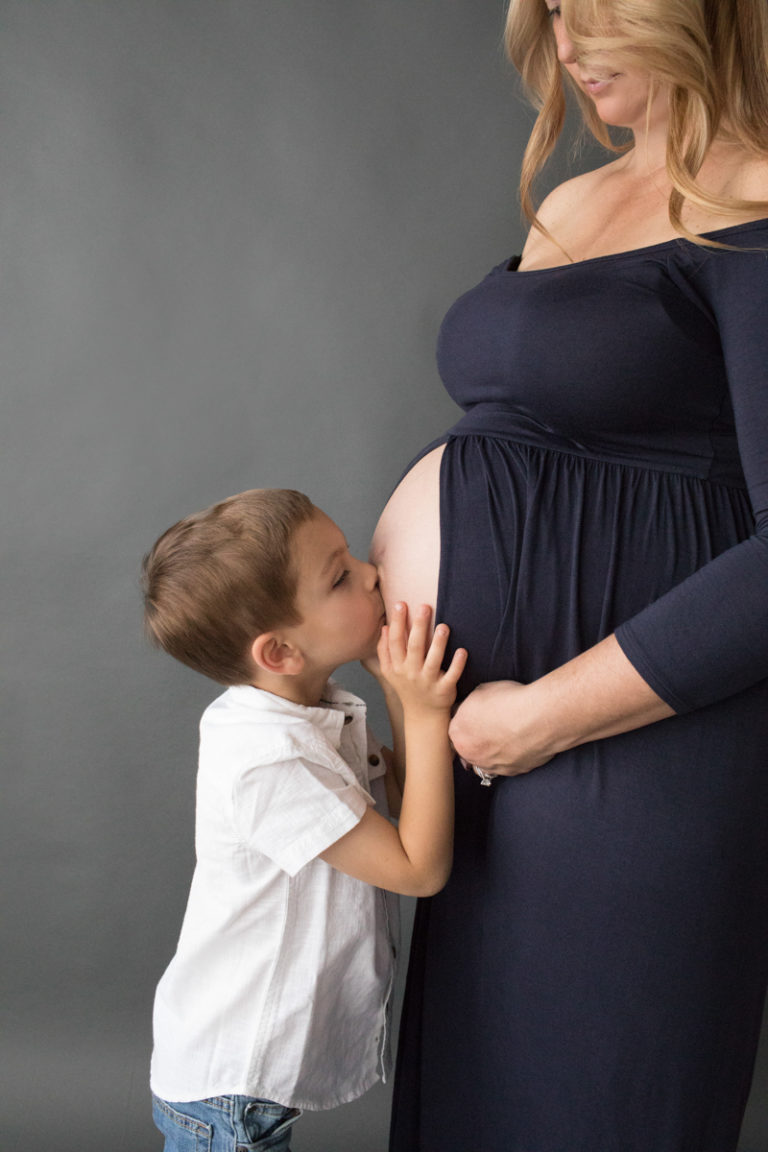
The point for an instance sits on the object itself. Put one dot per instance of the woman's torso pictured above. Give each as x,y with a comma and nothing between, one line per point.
613,358
603,212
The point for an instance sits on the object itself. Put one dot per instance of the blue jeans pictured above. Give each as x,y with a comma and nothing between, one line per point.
224,1124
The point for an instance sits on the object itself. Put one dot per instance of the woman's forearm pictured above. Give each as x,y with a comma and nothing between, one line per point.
598,694
517,727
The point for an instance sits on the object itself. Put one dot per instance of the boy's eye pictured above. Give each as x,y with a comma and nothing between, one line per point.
553,11
341,578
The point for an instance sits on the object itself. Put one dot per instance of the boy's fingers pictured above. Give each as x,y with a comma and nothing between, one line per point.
417,639
397,629
457,665
436,652
382,648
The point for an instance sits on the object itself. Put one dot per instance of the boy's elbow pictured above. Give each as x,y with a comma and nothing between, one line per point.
433,882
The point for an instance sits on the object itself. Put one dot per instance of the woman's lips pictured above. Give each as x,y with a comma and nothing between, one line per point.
594,85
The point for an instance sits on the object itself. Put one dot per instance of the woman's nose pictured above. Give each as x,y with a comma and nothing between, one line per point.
566,53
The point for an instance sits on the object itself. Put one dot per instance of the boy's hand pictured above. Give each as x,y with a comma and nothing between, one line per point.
412,666
372,665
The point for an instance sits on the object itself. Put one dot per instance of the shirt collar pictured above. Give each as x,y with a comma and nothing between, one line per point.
329,716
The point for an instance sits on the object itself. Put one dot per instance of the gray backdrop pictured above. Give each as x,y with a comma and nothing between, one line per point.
229,231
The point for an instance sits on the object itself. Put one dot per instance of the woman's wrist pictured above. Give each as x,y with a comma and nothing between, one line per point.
540,721
506,725
498,726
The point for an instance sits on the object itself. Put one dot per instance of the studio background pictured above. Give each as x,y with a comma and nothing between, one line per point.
229,231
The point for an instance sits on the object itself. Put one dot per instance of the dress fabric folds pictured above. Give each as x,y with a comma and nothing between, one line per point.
593,975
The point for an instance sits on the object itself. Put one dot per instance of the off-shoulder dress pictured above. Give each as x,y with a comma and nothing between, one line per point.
592,977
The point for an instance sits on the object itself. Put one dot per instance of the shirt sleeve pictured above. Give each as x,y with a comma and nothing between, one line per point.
291,811
708,637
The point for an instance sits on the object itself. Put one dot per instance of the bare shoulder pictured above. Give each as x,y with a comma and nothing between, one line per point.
754,178
733,172
566,214
570,197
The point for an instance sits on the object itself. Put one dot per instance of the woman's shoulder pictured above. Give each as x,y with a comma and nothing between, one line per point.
607,209
571,197
751,181
735,173
568,215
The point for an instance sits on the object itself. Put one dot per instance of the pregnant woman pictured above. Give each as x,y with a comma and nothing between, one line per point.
595,530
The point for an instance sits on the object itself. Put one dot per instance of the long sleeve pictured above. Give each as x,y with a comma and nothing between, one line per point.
708,637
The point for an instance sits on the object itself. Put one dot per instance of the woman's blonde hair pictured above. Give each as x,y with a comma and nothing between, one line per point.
713,55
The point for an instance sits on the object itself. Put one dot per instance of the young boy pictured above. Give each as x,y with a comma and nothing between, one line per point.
277,997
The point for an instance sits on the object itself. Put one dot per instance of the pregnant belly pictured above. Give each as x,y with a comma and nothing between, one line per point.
406,542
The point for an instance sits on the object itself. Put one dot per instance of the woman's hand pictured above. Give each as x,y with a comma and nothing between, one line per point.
491,728
508,728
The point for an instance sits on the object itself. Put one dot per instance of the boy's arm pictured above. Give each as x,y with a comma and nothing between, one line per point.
396,761
394,756
415,858
392,786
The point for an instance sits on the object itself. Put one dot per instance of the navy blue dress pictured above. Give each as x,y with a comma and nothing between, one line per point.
592,977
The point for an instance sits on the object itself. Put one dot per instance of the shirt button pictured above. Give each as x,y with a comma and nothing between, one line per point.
347,719
373,760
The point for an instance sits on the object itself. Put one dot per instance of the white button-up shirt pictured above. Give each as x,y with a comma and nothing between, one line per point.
281,980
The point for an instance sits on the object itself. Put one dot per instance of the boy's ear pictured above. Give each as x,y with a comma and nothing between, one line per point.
274,654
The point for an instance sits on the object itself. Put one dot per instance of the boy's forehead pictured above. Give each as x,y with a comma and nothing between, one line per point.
318,543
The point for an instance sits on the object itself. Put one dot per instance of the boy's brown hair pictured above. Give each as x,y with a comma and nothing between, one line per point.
218,579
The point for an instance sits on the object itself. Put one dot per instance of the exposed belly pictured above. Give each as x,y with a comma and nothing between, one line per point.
406,542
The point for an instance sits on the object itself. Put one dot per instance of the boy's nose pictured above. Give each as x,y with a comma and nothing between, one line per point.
370,576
